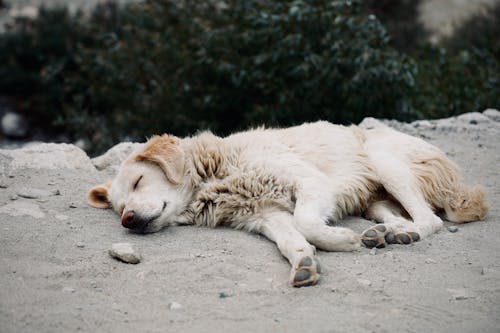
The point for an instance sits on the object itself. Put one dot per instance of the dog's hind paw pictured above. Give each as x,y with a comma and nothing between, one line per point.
380,235
306,273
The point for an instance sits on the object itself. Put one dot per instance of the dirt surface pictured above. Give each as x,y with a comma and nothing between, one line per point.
56,274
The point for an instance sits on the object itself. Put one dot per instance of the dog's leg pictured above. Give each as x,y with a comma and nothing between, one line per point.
278,227
394,228
313,208
398,180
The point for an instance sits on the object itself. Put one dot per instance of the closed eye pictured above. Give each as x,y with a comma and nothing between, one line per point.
137,183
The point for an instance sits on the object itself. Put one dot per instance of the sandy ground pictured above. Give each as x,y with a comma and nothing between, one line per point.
56,274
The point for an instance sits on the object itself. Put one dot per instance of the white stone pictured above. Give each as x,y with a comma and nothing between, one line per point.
174,306
473,117
22,208
26,11
47,156
460,294
364,282
492,114
116,155
370,122
125,252
35,193
61,217
423,124
14,125
68,290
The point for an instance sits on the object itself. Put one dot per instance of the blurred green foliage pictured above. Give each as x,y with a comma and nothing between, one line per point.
182,66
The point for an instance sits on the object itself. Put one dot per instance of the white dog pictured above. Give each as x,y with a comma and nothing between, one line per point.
288,183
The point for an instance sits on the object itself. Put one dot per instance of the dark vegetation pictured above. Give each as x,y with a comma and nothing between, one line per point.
182,66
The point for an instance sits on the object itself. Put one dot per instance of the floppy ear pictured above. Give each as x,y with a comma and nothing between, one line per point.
98,196
166,152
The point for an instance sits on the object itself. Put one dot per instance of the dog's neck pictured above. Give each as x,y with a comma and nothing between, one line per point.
206,159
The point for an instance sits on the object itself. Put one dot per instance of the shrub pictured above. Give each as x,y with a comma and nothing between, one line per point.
401,18
462,74
170,66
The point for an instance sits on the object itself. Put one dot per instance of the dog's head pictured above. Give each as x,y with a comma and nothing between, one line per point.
148,191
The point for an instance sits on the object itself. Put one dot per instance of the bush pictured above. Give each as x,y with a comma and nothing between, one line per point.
170,66
462,74
401,18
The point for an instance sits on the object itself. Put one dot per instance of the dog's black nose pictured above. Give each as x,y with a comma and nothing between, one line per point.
129,220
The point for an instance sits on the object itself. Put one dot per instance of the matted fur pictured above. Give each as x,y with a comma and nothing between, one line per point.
287,183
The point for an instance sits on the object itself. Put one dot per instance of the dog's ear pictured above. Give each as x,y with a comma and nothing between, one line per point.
167,153
98,196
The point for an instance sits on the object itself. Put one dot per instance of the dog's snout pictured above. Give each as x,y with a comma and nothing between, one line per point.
129,220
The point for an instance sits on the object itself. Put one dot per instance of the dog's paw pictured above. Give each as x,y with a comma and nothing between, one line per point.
306,273
380,235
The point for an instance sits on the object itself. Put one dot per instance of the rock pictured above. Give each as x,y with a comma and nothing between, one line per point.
61,217
125,252
34,193
14,125
452,229
364,282
68,290
370,122
373,251
473,118
460,294
492,114
80,245
423,124
47,156
430,261
174,306
22,208
223,295
25,11
116,155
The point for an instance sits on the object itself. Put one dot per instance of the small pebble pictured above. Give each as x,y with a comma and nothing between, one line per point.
365,282
72,205
430,261
125,252
61,217
34,193
174,306
452,229
223,295
3,185
80,245
373,251
68,290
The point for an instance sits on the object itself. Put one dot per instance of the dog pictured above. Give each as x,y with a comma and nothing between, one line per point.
288,184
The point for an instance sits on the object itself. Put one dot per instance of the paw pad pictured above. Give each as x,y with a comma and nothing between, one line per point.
306,273
374,237
379,235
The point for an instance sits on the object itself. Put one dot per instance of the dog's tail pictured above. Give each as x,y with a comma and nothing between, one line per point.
466,204
440,181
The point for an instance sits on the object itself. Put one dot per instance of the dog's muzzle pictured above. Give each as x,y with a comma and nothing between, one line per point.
131,220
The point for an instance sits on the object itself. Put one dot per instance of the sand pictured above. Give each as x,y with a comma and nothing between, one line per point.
56,274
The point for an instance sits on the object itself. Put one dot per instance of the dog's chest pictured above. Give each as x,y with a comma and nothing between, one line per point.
236,199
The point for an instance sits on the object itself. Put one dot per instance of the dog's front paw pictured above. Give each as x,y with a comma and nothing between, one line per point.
306,273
